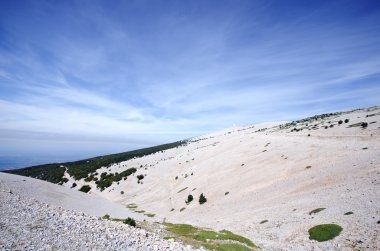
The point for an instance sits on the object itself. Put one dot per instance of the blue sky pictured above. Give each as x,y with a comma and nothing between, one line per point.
104,76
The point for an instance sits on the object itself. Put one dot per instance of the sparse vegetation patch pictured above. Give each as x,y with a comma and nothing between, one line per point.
317,210
223,240
183,189
324,232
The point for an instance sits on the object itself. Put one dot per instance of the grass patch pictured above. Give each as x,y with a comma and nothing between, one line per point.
140,211
150,215
232,247
263,221
131,206
181,229
226,247
355,125
348,213
317,210
183,189
171,210
226,193
324,232
182,209
223,240
168,237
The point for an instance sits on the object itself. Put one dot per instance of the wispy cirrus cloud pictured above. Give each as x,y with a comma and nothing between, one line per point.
168,70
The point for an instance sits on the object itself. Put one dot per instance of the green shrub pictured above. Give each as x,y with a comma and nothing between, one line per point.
346,120
189,199
140,177
130,222
183,189
85,188
106,217
324,232
202,199
73,185
106,179
348,213
226,193
317,210
263,221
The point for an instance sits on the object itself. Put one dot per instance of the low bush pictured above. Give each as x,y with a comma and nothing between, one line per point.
189,199
202,199
130,222
317,210
324,232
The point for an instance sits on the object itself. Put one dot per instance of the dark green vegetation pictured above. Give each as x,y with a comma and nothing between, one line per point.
130,222
202,199
83,168
324,232
106,179
317,210
263,221
106,217
85,188
183,189
226,193
132,206
348,213
221,241
189,199
149,215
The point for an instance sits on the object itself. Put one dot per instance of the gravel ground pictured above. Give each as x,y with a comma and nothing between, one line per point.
27,224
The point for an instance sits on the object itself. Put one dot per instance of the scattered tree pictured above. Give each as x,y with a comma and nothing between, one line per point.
189,199
85,188
202,199
130,222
